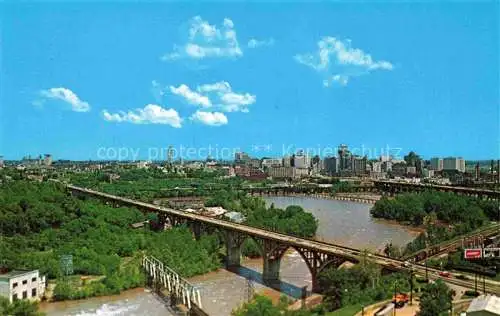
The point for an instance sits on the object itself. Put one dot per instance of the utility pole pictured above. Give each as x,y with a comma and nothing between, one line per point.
475,281
395,301
411,286
426,271
484,277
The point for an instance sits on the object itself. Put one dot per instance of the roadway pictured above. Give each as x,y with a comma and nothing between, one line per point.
327,248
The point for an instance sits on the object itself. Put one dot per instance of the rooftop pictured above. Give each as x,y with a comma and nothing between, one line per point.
489,303
14,273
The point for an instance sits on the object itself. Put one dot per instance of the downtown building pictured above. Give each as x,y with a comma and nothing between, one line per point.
301,160
241,158
437,164
287,172
454,164
271,162
331,166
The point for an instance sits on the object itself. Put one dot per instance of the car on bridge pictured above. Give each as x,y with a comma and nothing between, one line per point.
445,274
406,264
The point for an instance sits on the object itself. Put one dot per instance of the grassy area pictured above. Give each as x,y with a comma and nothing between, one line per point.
346,311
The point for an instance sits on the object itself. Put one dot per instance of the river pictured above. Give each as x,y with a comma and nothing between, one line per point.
342,222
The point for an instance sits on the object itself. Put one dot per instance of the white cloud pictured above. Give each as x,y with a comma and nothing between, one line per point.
210,118
208,41
338,61
227,100
65,95
254,43
150,114
192,97
221,86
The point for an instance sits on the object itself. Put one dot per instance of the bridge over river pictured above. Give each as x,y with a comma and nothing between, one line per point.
316,254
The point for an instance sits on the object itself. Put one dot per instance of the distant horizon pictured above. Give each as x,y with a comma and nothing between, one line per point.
229,156
255,76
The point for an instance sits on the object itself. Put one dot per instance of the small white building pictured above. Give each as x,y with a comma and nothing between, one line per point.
484,305
17,284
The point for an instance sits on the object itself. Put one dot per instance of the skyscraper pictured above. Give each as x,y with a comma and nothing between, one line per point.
454,164
301,160
47,160
437,164
331,165
344,158
241,157
170,154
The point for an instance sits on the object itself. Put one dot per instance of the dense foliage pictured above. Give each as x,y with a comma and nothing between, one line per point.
362,283
263,306
19,308
444,215
40,222
436,299
153,183
450,208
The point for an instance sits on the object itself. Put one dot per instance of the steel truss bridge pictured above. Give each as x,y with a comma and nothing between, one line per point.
273,245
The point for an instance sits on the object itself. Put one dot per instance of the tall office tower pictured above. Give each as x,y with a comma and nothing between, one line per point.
241,157
498,171
1,162
437,164
454,164
344,158
301,160
47,160
331,165
170,154
287,162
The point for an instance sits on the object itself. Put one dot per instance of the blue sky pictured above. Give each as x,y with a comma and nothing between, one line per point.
78,80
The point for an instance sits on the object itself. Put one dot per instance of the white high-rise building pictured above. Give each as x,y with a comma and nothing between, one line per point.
301,160
436,164
454,164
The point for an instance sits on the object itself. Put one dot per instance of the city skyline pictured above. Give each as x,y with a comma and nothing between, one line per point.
423,78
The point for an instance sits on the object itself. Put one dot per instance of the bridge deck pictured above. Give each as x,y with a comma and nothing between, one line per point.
292,241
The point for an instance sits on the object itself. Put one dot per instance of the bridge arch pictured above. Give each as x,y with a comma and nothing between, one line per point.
316,262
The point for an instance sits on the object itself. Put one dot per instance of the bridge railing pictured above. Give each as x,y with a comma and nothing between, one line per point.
172,282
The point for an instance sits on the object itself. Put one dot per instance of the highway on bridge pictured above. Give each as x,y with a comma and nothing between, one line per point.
323,247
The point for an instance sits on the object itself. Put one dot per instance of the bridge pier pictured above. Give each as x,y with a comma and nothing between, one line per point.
271,271
233,248
196,229
272,252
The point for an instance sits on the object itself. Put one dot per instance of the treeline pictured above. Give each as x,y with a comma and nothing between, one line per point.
153,183
444,216
40,222
449,208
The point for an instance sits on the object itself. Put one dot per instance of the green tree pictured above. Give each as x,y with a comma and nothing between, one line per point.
436,298
19,308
